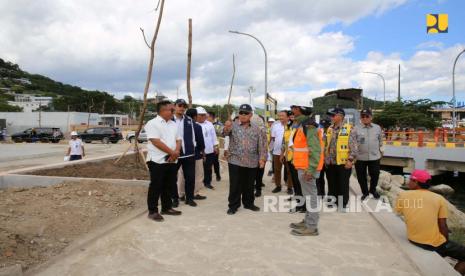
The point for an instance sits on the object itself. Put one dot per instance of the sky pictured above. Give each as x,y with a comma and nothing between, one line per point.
313,46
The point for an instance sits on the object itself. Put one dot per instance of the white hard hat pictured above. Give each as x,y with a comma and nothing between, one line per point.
74,133
271,119
201,110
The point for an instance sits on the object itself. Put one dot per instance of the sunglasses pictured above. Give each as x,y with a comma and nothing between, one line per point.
365,116
244,113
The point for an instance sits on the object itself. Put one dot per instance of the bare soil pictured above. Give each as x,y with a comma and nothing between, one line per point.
38,223
126,168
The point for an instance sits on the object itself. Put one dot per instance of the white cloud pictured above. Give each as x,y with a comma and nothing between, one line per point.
98,45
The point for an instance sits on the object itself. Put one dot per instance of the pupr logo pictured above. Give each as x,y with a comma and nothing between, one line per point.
437,23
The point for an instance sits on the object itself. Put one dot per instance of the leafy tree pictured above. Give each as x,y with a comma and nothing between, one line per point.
411,114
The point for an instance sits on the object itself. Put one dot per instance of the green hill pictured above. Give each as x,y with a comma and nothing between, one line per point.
65,97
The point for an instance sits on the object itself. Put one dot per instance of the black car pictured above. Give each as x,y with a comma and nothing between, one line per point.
104,134
38,134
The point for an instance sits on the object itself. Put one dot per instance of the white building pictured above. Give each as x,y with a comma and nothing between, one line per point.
66,121
30,103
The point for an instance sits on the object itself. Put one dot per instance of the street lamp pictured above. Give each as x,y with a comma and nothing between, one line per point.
266,64
384,85
251,91
454,100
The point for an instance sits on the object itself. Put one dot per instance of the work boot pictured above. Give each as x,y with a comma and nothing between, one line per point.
276,190
231,211
364,197
375,195
258,193
209,186
297,225
305,232
218,178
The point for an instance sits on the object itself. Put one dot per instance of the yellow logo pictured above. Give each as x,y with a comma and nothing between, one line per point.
437,23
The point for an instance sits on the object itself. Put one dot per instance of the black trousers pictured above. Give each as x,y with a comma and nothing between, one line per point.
241,186
295,179
320,182
216,165
162,179
188,170
373,170
259,179
75,157
207,168
338,183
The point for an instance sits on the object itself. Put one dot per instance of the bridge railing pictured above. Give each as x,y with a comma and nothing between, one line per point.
440,137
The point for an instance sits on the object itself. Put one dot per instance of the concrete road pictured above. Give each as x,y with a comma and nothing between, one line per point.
17,156
207,241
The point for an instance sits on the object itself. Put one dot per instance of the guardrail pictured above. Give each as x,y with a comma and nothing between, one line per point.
440,137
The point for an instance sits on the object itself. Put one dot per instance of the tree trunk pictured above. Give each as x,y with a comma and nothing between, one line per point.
189,60
230,89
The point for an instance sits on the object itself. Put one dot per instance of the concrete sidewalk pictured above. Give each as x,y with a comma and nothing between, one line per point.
204,240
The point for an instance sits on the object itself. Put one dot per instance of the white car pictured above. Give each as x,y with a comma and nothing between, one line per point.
131,136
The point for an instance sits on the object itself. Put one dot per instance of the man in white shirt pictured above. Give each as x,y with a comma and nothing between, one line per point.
211,145
163,151
276,145
76,148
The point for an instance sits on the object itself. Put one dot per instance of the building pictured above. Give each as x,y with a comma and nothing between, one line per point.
29,102
66,121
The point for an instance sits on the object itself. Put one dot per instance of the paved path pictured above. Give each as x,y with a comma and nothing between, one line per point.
206,241
22,155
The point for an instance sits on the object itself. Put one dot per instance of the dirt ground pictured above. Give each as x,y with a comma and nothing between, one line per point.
126,168
38,223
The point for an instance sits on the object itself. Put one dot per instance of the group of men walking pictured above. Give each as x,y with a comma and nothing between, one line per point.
183,149
181,152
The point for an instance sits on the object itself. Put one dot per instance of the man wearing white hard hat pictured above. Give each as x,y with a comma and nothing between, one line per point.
76,148
211,145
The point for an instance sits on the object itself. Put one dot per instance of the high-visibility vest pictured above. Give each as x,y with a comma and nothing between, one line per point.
301,152
342,144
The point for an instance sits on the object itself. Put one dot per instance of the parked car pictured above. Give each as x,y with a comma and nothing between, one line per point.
131,136
103,134
38,134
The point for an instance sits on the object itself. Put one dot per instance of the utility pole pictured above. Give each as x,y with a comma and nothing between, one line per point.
40,113
398,86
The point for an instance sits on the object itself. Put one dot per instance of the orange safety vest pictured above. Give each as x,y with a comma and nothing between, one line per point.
301,152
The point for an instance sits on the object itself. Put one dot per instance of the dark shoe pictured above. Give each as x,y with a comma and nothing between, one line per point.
270,173
209,186
156,217
263,184
191,203
258,193
375,195
200,197
171,212
218,178
231,211
183,198
253,208
276,190
290,191
364,197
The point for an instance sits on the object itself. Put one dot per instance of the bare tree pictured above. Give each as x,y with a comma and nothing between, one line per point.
151,47
230,88
189,60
